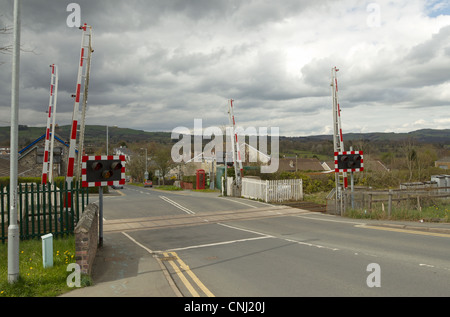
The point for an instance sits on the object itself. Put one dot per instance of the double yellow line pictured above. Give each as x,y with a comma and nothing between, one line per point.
179,267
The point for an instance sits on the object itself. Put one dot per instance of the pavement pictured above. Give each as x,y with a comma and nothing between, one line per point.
125,268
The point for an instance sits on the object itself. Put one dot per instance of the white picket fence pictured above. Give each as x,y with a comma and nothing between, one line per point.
272,191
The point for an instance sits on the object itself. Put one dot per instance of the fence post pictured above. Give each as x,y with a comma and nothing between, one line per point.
267,191
390,203
2,210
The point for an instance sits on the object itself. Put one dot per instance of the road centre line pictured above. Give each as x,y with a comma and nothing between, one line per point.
246,230
219,243
288,240
170,201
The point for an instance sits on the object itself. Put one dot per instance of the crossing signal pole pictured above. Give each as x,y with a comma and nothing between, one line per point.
345,161
98,171
236,150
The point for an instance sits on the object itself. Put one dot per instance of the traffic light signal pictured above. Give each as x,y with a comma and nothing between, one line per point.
352,161
103,171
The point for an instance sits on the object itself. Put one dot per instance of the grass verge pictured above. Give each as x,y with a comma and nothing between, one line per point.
34,280
168,187
438,212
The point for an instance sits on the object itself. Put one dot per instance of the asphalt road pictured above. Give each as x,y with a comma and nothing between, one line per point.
308,254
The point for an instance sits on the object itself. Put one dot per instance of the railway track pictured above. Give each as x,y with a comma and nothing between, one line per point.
306,205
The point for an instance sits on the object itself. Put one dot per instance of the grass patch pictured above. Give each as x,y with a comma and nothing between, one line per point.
206,190
437,212
168,187
431,209
34,280
318,198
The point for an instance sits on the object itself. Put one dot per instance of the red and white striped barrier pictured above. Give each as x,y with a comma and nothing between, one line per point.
238,148
51,113
76,109
338,120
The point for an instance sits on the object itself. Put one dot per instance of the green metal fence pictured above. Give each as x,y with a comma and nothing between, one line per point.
43,209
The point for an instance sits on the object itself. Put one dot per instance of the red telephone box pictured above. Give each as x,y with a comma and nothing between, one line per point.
201,179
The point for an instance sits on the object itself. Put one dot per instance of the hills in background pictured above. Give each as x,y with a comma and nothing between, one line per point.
96,136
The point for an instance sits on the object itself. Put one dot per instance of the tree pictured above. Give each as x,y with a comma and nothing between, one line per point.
163,160
410,155
136,168
5,49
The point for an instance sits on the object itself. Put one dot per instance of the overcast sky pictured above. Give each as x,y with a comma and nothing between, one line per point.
161,64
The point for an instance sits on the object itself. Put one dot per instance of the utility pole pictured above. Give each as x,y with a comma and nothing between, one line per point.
13,229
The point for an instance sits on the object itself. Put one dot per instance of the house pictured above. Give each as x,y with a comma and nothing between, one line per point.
4,151
123,151
443,163
31,158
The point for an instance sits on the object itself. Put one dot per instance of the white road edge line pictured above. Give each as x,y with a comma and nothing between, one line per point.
161,265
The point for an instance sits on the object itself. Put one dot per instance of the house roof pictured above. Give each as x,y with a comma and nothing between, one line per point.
5,168
29,148
25,149
303,164
444,159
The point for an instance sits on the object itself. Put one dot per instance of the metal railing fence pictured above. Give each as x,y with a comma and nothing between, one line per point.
43,209
273,190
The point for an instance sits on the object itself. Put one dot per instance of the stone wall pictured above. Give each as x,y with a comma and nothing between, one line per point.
86,239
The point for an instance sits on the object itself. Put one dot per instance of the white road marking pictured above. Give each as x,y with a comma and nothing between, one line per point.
173,203
238,202
220,243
